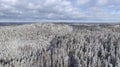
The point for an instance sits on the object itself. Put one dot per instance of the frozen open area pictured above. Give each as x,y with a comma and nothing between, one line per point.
60,45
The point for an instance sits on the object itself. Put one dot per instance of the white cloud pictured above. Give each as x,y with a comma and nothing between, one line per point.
102,2
44,9
99,14
55,9
10,1
82,2
51,2
1,14
5,6
34,6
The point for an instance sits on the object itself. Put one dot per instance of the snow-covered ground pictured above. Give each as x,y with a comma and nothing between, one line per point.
60,45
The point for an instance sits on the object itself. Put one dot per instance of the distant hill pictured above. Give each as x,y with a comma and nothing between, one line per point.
13,23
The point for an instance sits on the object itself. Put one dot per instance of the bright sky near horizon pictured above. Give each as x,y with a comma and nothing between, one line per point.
75,10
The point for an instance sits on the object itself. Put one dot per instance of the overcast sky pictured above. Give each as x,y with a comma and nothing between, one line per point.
70,10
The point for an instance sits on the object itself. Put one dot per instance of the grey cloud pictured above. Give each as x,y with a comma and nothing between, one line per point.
44,9
52,10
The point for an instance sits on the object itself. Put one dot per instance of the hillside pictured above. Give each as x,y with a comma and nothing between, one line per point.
60,45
